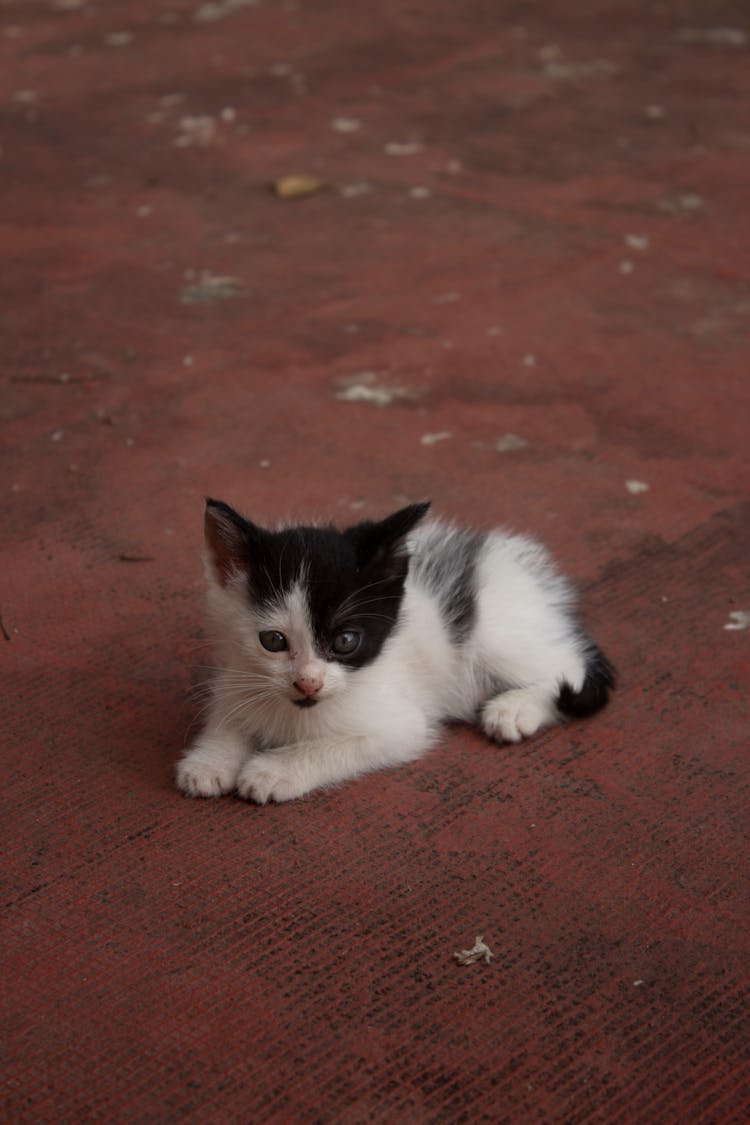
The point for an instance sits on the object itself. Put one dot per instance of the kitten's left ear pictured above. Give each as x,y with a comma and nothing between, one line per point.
227,539
386,537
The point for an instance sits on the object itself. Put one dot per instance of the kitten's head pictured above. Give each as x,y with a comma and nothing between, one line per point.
307,605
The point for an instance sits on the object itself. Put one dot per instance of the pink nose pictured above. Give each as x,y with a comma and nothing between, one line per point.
308,685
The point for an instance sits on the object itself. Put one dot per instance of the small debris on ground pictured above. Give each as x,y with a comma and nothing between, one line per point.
739,619
635,487
682,201
119,39
346,124
433,439
292,187
366,387
208,287
359,187
509,443
478,952
196,131
403,148
212,12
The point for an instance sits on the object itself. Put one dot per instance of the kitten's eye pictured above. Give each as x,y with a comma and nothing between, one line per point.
344,644
272,640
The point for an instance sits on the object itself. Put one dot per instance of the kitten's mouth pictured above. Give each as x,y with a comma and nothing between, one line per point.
307,701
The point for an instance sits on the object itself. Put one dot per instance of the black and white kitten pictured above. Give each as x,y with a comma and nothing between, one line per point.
340,652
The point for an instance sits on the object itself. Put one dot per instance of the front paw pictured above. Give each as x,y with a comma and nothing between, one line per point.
516,714
208,770
268,778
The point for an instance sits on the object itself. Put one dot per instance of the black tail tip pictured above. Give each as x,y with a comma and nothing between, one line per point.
594,693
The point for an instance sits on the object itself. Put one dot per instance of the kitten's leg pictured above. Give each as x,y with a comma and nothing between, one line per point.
521,711
286,772
518,713
210,767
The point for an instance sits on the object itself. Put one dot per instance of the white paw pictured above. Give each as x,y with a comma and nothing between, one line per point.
209,770
516,714
268,778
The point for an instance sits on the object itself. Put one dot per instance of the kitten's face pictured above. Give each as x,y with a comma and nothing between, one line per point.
311,605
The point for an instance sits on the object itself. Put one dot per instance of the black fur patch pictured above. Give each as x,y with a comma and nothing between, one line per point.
594,694
444,562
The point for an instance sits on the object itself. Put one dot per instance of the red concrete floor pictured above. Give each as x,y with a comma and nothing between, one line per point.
534,222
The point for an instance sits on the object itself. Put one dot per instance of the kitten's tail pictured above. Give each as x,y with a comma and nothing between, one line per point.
594,692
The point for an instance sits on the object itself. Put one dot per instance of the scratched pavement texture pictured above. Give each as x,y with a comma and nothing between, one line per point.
522,288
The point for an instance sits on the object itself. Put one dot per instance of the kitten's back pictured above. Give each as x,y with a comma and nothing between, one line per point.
444,563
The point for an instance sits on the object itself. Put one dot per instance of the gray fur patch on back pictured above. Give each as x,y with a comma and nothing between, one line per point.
443,561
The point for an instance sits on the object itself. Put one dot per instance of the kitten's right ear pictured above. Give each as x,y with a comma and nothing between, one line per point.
227,539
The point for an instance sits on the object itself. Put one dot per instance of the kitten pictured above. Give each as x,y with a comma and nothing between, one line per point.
342,652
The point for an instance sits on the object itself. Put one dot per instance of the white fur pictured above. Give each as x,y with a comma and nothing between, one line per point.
508,672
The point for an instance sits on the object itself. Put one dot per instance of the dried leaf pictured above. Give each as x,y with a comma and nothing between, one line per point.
292,187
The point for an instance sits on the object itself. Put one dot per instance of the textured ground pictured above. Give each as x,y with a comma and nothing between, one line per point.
523,289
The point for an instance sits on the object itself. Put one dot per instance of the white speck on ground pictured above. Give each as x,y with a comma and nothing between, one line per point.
346,124
208,287
403,148
366,387
195,132
635,487
220,9
682,201
739,619
509,443
626,266
119,39
655,112
433,439
352,191
529,360
419,192
637,241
